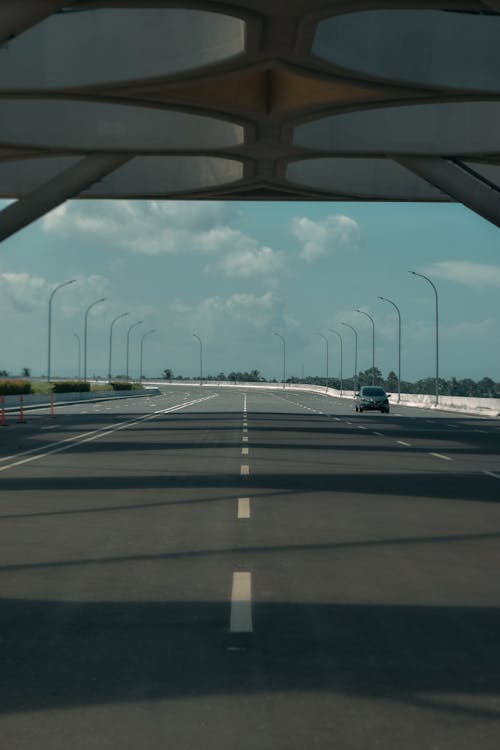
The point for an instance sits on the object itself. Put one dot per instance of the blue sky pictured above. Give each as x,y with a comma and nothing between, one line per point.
234,272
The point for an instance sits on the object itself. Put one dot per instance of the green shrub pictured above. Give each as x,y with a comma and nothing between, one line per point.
121,386
70,386
14,387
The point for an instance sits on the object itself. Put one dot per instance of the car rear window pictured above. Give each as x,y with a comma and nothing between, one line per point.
373,391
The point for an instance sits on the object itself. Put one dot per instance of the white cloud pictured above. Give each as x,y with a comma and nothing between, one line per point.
168,227
252,261
320,237
463,272
22,292
148,227
236,315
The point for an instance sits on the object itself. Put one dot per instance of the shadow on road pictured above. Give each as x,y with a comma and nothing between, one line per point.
62,654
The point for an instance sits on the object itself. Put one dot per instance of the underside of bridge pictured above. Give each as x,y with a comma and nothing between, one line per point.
248,100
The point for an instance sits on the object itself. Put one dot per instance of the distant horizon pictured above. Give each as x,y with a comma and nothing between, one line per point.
234,272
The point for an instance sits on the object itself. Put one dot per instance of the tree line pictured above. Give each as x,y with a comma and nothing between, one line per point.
483,388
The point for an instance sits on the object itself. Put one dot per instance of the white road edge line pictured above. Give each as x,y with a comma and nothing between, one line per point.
87,437
440,455
241,603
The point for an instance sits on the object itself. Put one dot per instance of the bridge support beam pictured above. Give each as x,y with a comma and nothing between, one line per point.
459,182
54,192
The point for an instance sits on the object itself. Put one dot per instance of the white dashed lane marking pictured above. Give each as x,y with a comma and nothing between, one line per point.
241,603
244,507
402,442
440,455
245,470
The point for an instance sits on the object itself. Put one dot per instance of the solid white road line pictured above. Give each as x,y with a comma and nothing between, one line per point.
245,470
241,603
492,474
440,455
243,507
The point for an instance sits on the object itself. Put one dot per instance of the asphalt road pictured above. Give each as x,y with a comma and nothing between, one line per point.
249,570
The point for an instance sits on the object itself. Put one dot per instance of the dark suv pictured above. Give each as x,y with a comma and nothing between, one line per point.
372,398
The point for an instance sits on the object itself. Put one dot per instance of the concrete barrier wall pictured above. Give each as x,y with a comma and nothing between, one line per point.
489,406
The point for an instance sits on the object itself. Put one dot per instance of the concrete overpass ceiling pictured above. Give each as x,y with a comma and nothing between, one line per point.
432,48
167,175
375,179
142,176
444,128
112,45
249,100
95,126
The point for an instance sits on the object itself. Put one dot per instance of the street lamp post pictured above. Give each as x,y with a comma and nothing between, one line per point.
128,346
437,330
332,330
399,343
284,356
356,383
373,341
49,343
142,344
327,356
201,356
103,299
122,315
79,353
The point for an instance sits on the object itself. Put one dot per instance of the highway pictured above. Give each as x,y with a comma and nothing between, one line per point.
249,569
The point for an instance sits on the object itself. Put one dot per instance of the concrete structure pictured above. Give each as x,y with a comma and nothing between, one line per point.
248,99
